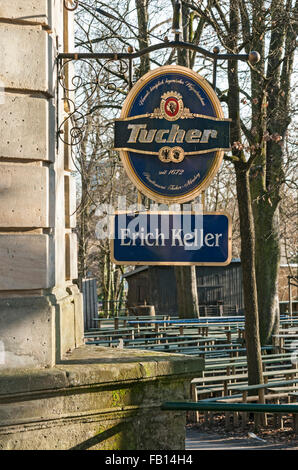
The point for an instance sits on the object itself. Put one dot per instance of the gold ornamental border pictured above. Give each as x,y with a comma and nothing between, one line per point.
195,115
196,152
173,263
125,155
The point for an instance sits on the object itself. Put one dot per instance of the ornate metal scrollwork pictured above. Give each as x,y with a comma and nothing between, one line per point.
101,68
69,8
83,92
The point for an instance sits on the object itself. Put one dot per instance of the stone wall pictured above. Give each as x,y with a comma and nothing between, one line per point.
40,306
98,398
55,393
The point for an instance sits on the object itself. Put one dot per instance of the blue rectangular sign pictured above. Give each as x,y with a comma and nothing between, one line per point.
172,238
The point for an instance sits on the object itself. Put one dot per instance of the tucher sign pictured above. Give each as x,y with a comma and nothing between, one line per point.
178,238
171,134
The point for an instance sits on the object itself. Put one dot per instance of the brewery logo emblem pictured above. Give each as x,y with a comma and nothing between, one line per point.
171,134
171,107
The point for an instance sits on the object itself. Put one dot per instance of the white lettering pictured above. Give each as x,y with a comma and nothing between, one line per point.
190,240
217,237
118,460
188,236
159,235
124,234
146,238
176,235
208,238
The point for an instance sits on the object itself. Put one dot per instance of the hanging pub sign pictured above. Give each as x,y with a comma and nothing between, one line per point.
171,134
177,238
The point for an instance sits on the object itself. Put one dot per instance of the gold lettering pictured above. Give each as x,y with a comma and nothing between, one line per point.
146,137
176,134
140,133
205,137
193,136
159,136
135,132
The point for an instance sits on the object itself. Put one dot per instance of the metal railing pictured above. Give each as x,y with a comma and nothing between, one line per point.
244,407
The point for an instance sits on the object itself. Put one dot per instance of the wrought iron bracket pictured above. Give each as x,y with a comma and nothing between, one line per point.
72,7
125,62
253,57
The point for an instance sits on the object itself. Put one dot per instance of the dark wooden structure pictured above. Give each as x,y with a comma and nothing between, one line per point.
219,288
90,302
154,285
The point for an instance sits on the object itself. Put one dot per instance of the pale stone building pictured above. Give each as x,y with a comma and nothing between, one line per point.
38,299
54,392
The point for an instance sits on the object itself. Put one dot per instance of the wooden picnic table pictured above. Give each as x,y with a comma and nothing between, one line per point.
241,362
115,321
289,330
221,378
170,344
261,389
261,397
107,331
265,356
294,335
282,337
194,321
288,389
226,379
293,396
153,341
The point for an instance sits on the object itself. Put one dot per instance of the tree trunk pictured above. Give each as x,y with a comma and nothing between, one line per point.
267,184
187,294
186,279
82,238
252,338
267,267
142,12
183,54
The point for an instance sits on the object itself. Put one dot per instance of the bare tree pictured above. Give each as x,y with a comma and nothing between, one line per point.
258,102
270,29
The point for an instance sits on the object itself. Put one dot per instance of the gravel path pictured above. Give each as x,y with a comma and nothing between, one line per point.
196,440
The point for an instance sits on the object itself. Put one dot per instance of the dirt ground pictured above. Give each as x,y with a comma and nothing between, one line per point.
217,437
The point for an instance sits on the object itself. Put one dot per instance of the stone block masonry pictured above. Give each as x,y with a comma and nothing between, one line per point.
54,392
19,184
24,122
28,11
25,62
98,399
26,262
38,249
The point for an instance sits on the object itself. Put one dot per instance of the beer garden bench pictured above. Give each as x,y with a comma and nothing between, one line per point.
272,390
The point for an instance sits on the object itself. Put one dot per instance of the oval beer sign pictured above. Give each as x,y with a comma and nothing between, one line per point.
171,134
